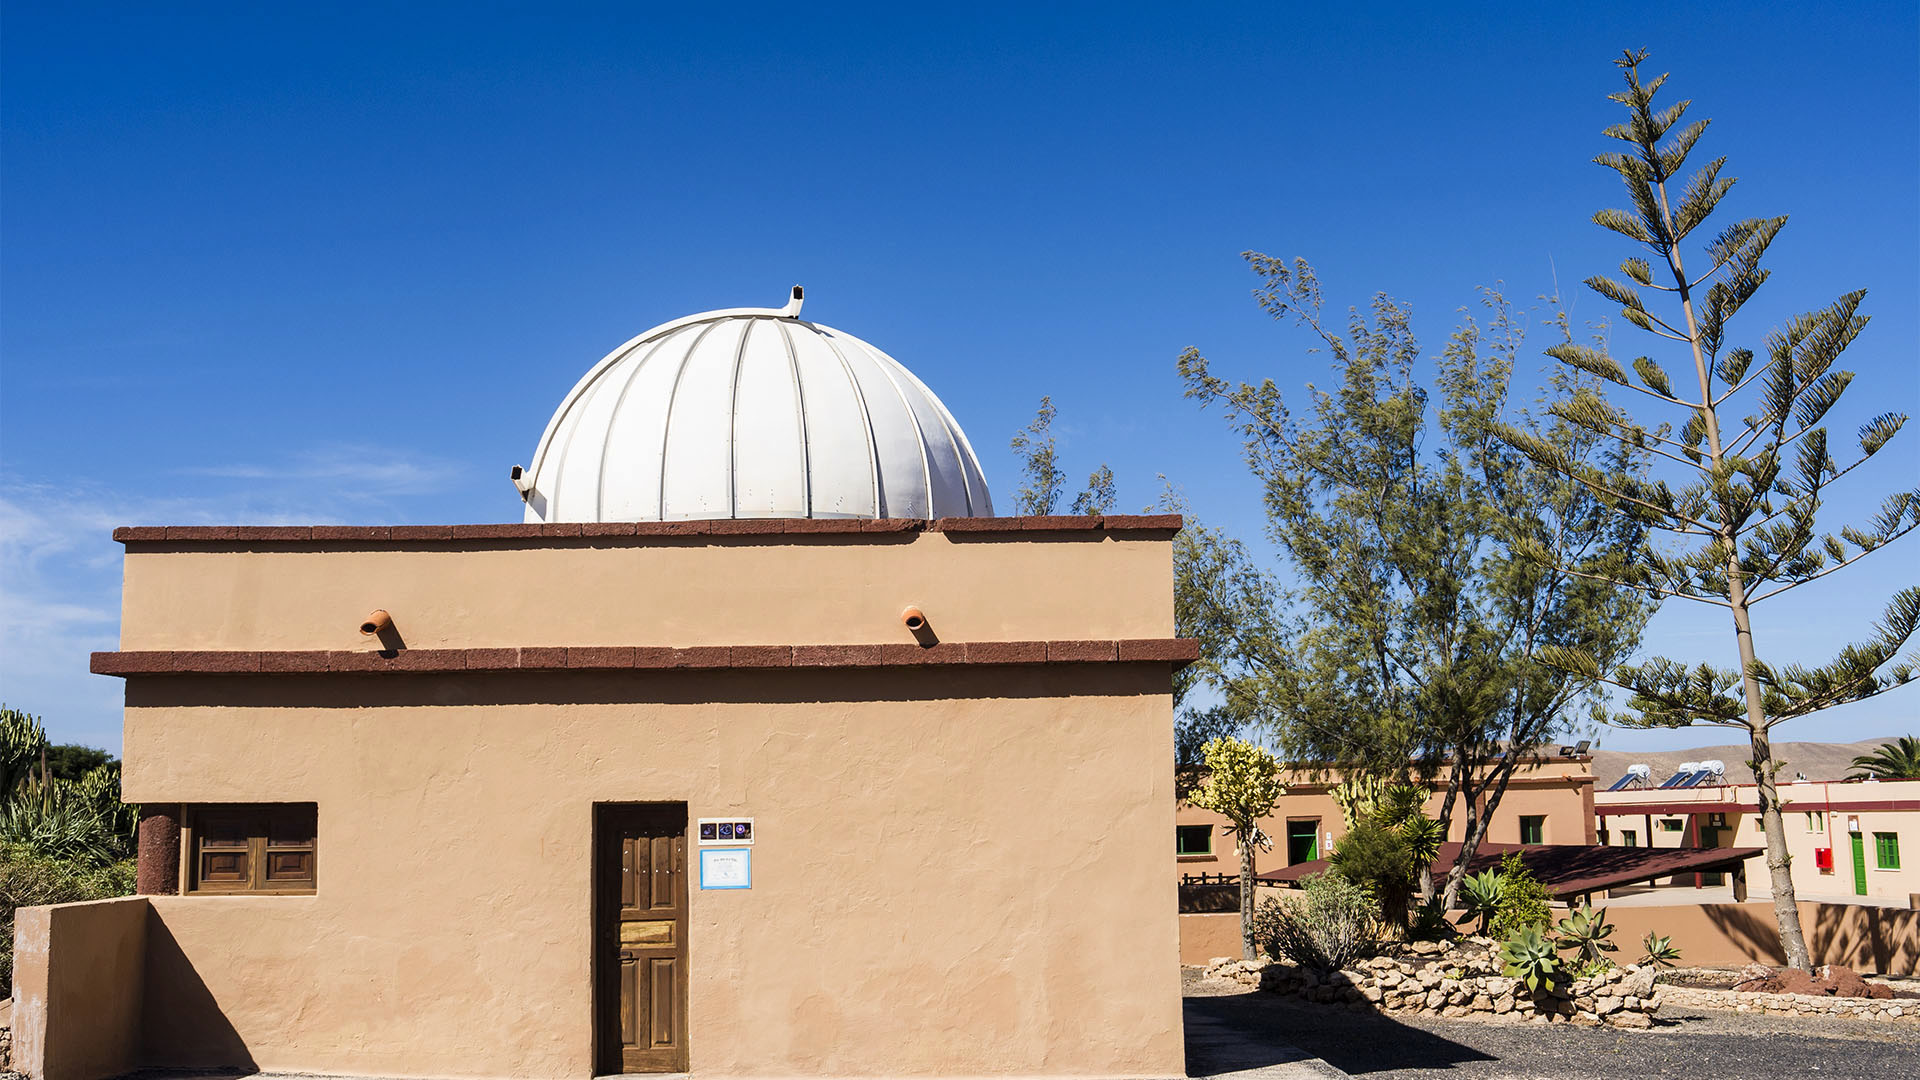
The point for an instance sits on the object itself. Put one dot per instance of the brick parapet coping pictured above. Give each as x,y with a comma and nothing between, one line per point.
1177,651
1089,527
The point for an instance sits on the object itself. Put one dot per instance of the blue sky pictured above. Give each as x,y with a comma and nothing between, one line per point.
285,264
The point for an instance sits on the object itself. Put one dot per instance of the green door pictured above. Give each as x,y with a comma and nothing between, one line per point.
1859,865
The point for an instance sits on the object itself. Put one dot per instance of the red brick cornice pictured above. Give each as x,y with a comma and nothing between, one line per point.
1176,651
1087,527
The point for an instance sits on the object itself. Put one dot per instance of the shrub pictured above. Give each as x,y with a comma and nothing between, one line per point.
1523,900
1530,957
1327,927
1660,952
28,878
1585,934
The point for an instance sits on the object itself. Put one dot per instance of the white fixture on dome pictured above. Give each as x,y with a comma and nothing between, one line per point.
750,413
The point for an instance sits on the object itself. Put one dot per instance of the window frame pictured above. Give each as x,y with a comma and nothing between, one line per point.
1816,821
1540,828
260,846
1630,838
1313,852
1671,824
1885,843
1179,830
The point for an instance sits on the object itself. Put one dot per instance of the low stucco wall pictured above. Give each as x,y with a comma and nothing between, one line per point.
1209,936
900,921
1866,939
77,988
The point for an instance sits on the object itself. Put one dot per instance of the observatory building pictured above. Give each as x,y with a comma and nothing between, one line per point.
751,751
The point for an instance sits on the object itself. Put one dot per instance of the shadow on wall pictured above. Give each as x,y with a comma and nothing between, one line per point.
1875,939
182,1025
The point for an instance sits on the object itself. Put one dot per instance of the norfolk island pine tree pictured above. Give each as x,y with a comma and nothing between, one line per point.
1740,522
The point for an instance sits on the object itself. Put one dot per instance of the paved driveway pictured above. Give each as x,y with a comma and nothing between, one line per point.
1237,1029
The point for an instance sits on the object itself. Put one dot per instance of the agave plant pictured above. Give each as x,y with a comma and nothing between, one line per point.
1480,893
1660,952
1585,934
1898,760
1529,957
58,828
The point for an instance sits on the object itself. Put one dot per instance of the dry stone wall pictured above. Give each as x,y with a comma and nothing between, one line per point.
1463,980
1896,1009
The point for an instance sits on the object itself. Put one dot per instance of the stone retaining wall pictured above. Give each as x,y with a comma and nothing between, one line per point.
1461,981
1894,1009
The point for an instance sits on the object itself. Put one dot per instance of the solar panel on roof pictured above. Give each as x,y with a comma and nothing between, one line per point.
1679,779
1623,782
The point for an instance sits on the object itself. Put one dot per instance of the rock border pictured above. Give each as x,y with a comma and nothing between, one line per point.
1898,1010
1461,981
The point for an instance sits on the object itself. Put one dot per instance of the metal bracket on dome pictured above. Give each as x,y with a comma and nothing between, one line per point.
792,310
521,482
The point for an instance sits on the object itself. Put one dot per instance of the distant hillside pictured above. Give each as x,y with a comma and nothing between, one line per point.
1817,760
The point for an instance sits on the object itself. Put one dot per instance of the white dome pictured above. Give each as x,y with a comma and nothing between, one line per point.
751,413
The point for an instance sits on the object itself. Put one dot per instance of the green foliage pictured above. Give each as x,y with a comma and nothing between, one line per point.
1040,465
1242,784
1585,933
1528,956
1481,894
1328,926
1523,900
61,828
1430,921
1356,795
1421,615
22,739
1899,760
1658,951
28,878
1733,475
1100,494
1387,849
71,761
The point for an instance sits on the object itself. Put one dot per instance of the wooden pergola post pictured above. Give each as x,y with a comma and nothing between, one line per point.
1740,882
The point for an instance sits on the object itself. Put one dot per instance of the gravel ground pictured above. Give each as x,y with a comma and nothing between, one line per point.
1694,1044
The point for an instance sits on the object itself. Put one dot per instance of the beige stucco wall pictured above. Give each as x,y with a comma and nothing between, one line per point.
1866,939
1831,800
77,983
910,914
656,591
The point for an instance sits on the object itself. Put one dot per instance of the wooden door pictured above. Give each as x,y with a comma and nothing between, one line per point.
1859,844
640,937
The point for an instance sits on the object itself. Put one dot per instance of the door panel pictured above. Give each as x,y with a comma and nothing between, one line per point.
1859,864
640,937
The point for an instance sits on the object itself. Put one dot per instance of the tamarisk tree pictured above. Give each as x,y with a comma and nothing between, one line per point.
1738,513
1410,643
1040,464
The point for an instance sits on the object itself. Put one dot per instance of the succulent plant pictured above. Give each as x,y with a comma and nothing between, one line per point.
1529,957
1480,894
1584,933
1660,952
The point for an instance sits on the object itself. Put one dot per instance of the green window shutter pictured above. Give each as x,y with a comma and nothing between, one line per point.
1886,846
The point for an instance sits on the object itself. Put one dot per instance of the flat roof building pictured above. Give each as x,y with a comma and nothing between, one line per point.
728,760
